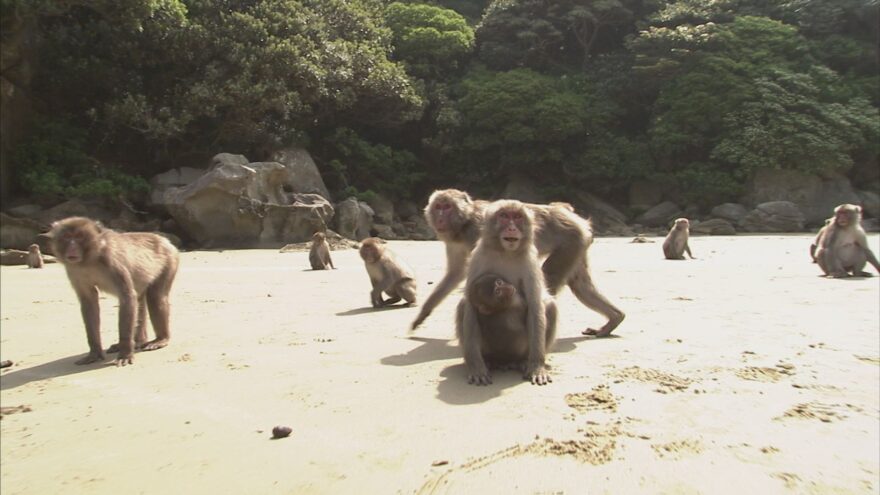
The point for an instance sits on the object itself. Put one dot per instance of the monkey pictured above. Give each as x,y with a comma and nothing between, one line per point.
506,247
818,240
34,257
842,245
387,274
502,317
138,268
319,254
676,243
560,234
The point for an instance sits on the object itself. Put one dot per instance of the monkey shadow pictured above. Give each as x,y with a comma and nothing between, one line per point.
455,390
370,309
430,350
53,369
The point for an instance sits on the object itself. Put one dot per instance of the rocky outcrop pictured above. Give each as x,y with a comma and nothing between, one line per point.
354,219
306,179
238,205
815,196
19,233
660,215
732,212
713,226
774,216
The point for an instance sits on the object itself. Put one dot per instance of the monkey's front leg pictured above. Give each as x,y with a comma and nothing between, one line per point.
91,314
536,368
128,306
478,372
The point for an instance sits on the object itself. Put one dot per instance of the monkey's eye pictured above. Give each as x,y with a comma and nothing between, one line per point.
504,215
443,206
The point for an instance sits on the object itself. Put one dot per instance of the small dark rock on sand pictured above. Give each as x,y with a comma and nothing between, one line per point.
281,431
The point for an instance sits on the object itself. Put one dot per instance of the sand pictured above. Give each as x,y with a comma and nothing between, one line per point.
740,372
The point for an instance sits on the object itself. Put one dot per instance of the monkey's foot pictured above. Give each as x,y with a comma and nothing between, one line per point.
154,344
124,359
91,358
538,375
863,274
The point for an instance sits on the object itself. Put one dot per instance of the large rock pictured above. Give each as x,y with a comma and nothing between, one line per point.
713,226
643,194
522,188
604,218
417,229
354,219
660,215
732,212
815,196
77,208
305,175
177,177
774,216
236,205
19,233
870,202
382,208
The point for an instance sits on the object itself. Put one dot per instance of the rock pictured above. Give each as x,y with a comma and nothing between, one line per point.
25,211
815,196
417,229
407,209
174,178
385,232
221,159
236,205
383,209
660,215
643,194
605,218
522,188
19,233
732,212
305,175
336,242
77,208
871,225
12,257
870,202
281,431
354,219
774,216
713,226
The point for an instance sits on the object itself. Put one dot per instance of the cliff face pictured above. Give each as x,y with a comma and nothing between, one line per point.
16,72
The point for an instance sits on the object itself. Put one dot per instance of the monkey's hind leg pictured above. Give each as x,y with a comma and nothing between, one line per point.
160,308
581,285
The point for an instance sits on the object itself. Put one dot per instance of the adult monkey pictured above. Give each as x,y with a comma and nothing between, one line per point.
841,247
505,250
560,234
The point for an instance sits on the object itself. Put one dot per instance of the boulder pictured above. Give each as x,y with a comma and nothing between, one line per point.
19,233
173,178
870,202
354,219
77,208
522,188
732,212
13,257
660,215
236,205
714,226
383,209
407,210
386,232
815,196
774,216
643,194
305,175
605,218
417,229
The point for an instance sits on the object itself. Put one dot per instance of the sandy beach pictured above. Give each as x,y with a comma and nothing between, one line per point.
742,371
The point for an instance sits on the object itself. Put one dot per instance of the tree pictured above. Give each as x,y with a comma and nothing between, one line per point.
433,41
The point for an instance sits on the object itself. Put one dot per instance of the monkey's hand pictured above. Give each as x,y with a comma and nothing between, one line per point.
419,319
93,357
480,377
537,374
123,359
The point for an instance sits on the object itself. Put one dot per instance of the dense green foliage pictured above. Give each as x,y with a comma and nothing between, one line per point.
398,97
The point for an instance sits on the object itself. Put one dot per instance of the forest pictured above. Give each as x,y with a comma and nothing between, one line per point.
398,98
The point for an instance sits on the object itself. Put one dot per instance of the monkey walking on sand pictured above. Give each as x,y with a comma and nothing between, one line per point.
138,268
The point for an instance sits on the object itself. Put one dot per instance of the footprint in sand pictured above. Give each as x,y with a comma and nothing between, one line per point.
826,413
677,449
764,374
600,398
668,382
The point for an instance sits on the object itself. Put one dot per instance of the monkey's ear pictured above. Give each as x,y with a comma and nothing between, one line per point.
99,226
858,209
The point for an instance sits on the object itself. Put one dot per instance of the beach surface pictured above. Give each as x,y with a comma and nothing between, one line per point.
742,371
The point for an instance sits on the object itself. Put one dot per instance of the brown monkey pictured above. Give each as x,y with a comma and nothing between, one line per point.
138,268
506,248
387,274
502,318
560,234
842,245
34,257
319,254
676,243
818,239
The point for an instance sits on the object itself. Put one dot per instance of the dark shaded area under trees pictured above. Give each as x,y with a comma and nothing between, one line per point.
398,98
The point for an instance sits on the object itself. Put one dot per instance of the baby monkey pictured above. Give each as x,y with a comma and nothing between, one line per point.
501,318
319,254
387,274
34,257
676,243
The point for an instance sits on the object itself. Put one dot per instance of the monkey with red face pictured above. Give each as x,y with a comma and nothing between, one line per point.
137,267
841,248
559,234
506,248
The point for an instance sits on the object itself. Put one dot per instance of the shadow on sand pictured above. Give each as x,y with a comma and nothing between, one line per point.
370,309
45,371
